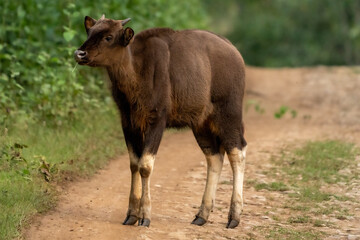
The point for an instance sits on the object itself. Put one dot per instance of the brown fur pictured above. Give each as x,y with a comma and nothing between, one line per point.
165,78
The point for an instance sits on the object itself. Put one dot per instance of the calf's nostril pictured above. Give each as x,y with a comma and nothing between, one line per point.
82,53
79,54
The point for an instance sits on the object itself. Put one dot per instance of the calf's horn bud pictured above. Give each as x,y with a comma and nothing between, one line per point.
123,22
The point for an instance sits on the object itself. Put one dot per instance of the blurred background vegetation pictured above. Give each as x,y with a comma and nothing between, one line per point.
39,81
279,33
57,119
37,40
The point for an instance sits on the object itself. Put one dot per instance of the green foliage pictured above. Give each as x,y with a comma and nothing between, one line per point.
80,148
57,118
283,110
11,156
256,104
37,41
20,198
279,33
32,156
12,159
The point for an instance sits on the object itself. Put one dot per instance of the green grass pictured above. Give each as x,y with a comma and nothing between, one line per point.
30,155
306,173
19,199
274,186
276,218
311,194
226,182
321,161
321,223
280,232
315,165
299,219
297,207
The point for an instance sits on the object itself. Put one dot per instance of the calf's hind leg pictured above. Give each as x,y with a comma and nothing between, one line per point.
214,158
237,162
234,143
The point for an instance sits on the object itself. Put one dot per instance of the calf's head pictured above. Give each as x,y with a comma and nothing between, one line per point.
107,40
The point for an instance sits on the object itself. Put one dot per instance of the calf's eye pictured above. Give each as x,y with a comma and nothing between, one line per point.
108,38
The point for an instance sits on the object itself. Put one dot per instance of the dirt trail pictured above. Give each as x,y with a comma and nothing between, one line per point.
95,208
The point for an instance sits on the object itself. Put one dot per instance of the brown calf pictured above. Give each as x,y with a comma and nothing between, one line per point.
165,78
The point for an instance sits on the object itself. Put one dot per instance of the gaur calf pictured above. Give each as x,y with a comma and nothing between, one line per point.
165,78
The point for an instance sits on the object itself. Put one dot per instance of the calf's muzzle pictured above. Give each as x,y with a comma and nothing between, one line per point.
80,56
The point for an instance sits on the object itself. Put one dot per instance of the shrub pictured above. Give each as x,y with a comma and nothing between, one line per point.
39,80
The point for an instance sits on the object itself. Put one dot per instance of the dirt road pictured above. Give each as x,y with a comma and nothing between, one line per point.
326,108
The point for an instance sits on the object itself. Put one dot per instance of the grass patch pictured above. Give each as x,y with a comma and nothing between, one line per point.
321,223
20,198
315,165
330,209
306,173
321,161
274,186
311,194
32,157
226,182
276,218
281,232
299,219
344,198
297,207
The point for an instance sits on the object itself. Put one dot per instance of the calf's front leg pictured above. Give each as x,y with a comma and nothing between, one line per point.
135,190
141,169
146,166
151,141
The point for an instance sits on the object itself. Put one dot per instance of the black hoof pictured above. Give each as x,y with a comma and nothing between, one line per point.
130,220
232,223
198,221
144,222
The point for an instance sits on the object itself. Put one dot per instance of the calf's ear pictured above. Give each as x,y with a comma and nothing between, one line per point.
89,22
126,37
